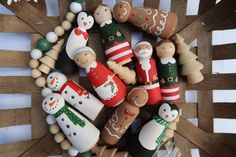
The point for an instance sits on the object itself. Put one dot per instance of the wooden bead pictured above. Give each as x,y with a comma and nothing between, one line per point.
54,129
33,63
35,73
44,45
59,30
66,25
46,91
85,154
51,119
70,17
59,137
72,151
51,37
65,145
36,54
40,82
75,7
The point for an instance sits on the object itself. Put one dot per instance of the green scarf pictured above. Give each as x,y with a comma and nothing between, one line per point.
73,117
160,138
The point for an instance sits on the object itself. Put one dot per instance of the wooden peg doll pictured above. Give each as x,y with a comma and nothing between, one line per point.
149,138
147,71
82,134
75,95
77,38
115,44
107,85
154,21
168,73
124,115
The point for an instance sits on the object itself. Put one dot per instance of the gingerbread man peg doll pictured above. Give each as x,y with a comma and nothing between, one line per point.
147,71
154,21
168,72
117,48
107,85
124,115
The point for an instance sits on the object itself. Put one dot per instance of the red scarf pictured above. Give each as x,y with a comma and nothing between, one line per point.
78,32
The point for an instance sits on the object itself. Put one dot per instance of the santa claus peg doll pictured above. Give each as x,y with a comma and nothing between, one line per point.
107,85
115,44
147,71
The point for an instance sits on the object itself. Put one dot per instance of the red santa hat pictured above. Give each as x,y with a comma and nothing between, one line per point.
82,49
141,43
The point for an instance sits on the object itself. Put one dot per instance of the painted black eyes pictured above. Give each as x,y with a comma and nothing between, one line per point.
82,18
72,97
105,9
66,92
51,77
51,98
164,110
97,13
45,103
80,102
173,115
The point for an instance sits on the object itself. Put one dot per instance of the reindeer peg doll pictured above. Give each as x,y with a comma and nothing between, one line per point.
149,138
124,115
168,73
107,85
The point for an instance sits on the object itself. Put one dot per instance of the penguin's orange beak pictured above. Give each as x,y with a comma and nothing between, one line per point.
52,81
51,103
85,23
166,116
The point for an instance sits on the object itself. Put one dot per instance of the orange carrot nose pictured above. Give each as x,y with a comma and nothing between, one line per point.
166,116
51,103
52,81
85,23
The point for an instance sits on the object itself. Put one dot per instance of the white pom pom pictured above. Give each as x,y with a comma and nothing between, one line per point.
46,91
51,37
72,151
36,54
51,119
75,7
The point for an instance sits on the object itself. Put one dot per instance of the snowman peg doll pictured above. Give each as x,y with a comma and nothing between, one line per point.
110,89
149,138
168,73
147,72
124,116
77,38
75,95
117,48
82,134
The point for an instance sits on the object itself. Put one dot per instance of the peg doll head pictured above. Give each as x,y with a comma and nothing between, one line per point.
168,111
138,97
84,56
56,80
102,14
85,21
143,50
165,48
121,11
53,103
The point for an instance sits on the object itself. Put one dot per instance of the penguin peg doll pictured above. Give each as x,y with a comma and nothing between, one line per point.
149,138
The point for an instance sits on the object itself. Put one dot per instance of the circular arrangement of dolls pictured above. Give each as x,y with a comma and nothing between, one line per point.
131,78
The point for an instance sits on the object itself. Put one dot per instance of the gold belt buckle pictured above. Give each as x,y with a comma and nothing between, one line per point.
170,79
111,38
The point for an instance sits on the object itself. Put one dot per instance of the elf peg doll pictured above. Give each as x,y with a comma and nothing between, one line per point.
115,44
75,95
154,21
149,138
147,71
168,73
107,85
82,134
124,115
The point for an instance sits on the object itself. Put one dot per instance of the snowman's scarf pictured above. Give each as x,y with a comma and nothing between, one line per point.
161,121
71,115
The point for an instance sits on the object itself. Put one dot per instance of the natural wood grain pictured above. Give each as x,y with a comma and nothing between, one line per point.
183,144
14,59
227,23
18,84
14,117
15,149
91,5
63,8
224,52
225,110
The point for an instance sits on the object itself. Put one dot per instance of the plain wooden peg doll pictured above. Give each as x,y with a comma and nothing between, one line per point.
82,134
124,115
167,68
154,21
117,48
149,138
147,72
110,89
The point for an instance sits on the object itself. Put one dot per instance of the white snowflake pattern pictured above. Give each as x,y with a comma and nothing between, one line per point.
10,1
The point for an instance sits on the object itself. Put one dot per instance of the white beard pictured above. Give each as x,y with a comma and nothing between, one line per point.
143,54
145,64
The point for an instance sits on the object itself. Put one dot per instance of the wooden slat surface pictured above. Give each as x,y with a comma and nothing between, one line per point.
14,117
225,110
14,59
227,23
224,52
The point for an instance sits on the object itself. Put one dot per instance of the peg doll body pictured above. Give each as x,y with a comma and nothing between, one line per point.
107,85
147,71
149,138
124,115
168,72
115,44
82,134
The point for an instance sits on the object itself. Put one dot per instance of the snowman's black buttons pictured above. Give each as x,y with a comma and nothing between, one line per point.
65,92
72,96
80,102
74,133
68,126
62,119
